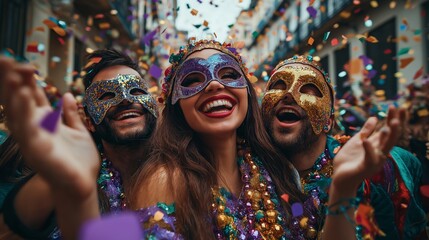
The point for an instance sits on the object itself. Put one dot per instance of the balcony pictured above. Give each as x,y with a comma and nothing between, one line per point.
119,21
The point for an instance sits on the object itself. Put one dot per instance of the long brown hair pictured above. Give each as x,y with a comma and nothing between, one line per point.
191,168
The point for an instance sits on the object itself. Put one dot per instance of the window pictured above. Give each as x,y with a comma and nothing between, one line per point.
13,16
384,79
342,56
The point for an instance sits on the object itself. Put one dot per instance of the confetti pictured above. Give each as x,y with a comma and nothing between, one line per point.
403,51
104,25
387,51
205,23
194,12
99,16
423,113
155,71
285,197
93,60
230,25
149,37
418,74
40,29
197,26
310,41
334,42
312,11
326,36
124,225
372,39
404,62
50,121
49,23
297,209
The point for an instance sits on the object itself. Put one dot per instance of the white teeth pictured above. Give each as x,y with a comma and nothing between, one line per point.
287,111
129,114
217,103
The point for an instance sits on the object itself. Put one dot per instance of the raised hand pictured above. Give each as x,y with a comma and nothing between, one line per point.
366,152
66,158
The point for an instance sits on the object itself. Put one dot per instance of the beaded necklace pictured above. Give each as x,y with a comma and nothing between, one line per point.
111,183
256,214
320,173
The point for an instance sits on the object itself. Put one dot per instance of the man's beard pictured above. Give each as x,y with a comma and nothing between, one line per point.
304,140
106,132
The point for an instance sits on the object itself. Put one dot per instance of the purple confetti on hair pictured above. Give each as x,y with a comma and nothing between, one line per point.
312,11
155,71
297,209
50,121
167,35
122,226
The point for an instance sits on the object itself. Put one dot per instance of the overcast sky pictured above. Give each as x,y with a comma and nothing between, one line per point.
218,18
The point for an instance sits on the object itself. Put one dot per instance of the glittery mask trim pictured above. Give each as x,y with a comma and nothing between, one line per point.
176,60
296,74
121,87
209,69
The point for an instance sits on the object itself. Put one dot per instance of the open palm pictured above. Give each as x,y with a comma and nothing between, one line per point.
365,153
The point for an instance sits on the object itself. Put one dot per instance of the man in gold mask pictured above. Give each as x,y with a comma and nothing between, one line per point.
298,112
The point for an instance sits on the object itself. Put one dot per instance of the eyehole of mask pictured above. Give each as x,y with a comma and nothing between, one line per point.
137,92
107,96
228,73
279,85
193,80
311,89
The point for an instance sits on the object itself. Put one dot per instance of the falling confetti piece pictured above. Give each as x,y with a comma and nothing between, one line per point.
104,25
326,36
56,59
312,11
147,39
355,66
403,27
334,42
99,16
215,35
98,39
197,26
297,209
205,23
423,113
230,25
418,74
50,121
403,51
404,62
93,60
387,51
40,29
194,12
310,41
285,197
372,39
155,71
